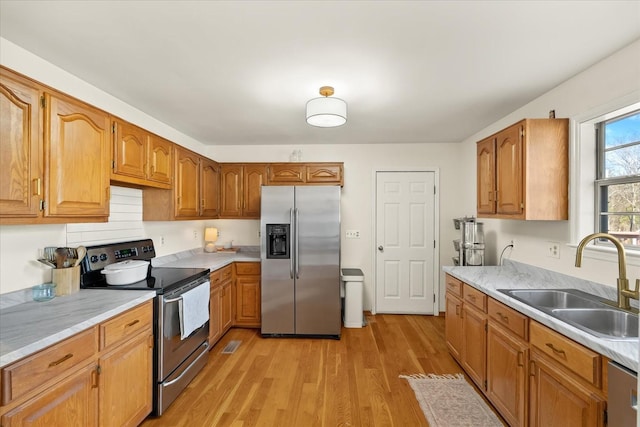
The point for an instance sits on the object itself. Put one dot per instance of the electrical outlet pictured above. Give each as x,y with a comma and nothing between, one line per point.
161,240
195,234
352,234
553,249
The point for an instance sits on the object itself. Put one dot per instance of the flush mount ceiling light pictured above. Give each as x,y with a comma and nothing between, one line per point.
326,112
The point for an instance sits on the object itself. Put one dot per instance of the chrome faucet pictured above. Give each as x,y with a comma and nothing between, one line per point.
624,292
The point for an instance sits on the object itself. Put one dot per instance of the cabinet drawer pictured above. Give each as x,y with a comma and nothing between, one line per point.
126,325
226,273
474,297
215,277
509,318
34,371
247,268
454,285
580,360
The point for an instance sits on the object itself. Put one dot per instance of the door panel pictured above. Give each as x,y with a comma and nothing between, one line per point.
405,236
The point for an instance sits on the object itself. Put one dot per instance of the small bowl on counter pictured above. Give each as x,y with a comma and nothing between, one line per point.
43,292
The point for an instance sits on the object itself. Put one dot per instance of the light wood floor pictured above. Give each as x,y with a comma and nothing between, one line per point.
316,382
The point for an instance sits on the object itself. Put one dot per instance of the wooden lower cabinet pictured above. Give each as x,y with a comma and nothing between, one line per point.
507,361
474,346
556,399
220,303
532,375
71,402
127,370
247,294
72,383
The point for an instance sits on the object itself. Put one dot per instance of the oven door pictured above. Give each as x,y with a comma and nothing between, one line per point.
172,350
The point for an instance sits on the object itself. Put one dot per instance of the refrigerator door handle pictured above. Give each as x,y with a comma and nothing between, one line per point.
291,243
297,235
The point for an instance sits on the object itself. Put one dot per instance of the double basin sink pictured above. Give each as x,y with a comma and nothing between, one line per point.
582,310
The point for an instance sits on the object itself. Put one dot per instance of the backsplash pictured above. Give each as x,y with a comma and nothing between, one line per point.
125,221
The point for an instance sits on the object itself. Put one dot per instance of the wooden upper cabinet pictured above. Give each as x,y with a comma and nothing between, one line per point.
240,186
187,184
526,177
286,173
253,180
77,139
160,160
194,193
486,202
305,174
324,173
210,182
20,147
139,157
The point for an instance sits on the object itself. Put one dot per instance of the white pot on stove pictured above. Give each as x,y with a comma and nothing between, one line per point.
126,272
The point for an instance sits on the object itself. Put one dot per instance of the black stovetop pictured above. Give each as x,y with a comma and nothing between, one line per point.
160,279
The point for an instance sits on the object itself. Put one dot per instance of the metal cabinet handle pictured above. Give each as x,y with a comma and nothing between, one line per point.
297,213
128,325
292,225
504,318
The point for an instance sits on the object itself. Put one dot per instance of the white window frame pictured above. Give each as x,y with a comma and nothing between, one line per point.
582,212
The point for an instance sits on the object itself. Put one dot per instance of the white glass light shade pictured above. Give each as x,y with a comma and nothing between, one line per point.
210,236
326,112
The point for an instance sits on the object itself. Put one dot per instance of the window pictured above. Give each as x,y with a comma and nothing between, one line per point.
617,184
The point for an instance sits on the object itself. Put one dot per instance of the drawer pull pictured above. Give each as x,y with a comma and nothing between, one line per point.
457,310
62,359
132,323
472,298
502,317
555,350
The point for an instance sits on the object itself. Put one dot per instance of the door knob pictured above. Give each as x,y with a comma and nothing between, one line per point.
381,248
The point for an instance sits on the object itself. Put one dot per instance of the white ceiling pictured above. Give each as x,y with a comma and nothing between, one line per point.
240,72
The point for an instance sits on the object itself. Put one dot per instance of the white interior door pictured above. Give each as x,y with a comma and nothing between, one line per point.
405,240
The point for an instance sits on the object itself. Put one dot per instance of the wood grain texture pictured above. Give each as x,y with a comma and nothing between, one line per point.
316,382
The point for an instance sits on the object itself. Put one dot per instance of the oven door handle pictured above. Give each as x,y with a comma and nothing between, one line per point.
167,384
170,300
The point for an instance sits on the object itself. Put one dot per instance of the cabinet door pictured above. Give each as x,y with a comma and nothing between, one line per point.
210,185
453,326
231,191
20,147
226,311
215,317
77,140
71,402
474,346
509,163
187,184
486,179
129,150
126,383
507,360
556,400
322,173
254,177
286,173
160,159
248,301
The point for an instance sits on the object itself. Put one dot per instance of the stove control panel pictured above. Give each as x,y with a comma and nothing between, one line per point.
98,257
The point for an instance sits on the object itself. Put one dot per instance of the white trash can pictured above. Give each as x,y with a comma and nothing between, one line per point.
352,280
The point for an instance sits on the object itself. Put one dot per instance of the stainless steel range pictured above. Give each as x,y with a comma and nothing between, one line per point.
176,360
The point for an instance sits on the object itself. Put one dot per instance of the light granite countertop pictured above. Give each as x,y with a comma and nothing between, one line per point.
197,258
27,326
515,275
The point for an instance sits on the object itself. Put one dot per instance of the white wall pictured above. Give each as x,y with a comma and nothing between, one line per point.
611,79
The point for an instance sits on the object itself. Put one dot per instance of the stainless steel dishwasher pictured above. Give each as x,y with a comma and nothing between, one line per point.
623,396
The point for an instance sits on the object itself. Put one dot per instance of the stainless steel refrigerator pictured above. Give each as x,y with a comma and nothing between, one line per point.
300,254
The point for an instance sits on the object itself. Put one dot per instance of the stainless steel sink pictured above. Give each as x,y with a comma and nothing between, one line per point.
553,299
582,310
605,322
